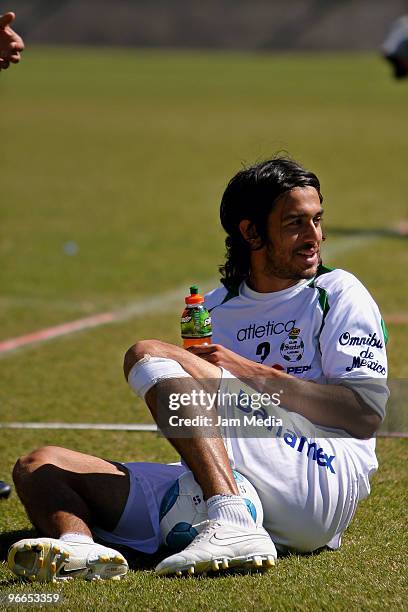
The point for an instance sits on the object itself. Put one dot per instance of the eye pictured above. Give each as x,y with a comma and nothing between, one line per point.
317,220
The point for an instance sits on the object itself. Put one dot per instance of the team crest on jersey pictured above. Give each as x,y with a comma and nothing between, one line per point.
292,348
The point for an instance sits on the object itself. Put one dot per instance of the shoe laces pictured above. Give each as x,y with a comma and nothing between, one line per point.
210,525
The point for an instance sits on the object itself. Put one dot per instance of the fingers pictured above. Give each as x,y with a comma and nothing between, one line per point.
15,58
7,59
12,47
17,45
6,19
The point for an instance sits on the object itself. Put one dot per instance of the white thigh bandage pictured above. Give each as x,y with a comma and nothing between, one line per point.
150,370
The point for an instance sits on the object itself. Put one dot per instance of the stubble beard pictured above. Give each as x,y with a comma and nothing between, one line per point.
286,270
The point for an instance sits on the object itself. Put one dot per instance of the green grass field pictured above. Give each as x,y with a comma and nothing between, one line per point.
126,153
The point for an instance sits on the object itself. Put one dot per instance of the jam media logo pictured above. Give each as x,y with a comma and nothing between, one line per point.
292,348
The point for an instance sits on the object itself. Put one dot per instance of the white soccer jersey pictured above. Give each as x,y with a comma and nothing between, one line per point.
328,330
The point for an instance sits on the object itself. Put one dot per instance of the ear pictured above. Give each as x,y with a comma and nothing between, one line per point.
249,233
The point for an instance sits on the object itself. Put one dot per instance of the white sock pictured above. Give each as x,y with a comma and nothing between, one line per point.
76,537
229,509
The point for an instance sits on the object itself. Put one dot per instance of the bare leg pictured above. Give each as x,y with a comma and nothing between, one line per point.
65,491
205,456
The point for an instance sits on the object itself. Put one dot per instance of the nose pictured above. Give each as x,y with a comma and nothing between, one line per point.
312,232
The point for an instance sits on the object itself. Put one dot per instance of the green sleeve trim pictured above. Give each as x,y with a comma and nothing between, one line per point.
323,298
323,270
230,294
320,270
325,306
323,301
384,330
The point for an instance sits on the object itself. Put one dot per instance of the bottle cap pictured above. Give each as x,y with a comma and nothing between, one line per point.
194,297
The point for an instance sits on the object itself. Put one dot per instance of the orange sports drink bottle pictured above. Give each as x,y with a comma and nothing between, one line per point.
195,321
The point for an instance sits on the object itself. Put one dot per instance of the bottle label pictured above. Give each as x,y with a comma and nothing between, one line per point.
196,323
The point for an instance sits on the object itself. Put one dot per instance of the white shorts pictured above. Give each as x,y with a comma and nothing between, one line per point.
309,483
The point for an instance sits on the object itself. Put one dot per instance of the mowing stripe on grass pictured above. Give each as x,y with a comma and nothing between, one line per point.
156,303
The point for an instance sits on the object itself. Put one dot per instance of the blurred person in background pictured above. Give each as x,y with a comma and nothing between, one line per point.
11,44
395,47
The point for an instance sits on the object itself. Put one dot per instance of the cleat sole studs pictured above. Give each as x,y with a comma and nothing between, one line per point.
190,570
115,578
26,547
270,561
118,559
257,562
179,573
56,550
215,565
225,564
103,558
53,566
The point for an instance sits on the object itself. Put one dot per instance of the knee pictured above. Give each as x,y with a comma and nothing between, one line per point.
28,464
153,348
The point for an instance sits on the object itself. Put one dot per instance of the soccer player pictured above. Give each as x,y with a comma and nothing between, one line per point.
11,44
284,324
395,47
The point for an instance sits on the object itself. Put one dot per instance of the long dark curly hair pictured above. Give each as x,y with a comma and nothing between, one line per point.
251,194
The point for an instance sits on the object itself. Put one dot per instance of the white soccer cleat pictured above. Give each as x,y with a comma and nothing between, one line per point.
49,560
221,546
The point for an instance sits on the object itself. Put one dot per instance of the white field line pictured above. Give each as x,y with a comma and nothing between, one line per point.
149,427
346,244
156,303
84,426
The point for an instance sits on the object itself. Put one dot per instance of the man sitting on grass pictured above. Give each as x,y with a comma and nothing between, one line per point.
283,324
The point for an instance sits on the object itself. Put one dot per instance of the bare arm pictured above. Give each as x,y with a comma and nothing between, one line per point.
332,406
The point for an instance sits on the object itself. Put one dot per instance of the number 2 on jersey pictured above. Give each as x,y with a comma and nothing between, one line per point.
263,350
